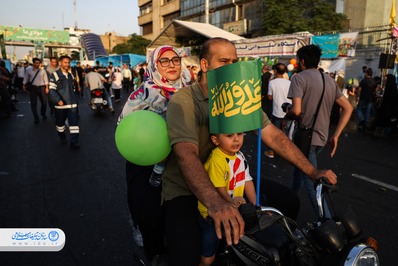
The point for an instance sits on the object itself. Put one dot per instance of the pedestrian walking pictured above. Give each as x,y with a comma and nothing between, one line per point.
53,66
127,77
313,94
36,82
117,80
65,100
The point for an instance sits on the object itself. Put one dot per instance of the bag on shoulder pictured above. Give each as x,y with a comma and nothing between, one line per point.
302,138
29,86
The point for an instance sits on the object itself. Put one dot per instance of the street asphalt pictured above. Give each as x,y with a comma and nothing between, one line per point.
46,184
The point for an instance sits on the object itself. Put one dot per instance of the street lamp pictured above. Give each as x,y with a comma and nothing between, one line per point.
110,49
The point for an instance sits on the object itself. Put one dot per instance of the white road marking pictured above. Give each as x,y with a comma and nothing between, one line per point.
382,184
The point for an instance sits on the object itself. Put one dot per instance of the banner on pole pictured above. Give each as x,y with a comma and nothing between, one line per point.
235,97
3,47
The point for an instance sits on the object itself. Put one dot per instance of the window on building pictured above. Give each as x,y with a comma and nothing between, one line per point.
251,12
167,1
146,9
147,28
169,18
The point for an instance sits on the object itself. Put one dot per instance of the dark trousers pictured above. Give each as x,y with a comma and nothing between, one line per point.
126,84
38,92
60,117
117,93
183,230
18,83
145,208
5,100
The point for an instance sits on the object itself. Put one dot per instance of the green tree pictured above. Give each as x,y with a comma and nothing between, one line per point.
135,45
288,16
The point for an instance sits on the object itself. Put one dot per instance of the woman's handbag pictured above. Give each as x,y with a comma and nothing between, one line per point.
303,135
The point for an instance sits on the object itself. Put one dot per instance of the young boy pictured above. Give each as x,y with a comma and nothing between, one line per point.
229,172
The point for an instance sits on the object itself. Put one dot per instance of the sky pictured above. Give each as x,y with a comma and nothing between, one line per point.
99,16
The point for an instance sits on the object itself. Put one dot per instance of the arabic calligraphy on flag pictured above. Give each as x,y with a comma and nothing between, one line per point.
235,97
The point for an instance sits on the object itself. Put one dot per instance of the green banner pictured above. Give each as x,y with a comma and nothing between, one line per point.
2,47
19,34
235,97
39,50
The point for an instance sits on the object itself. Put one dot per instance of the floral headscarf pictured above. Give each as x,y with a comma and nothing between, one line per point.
156,91
155,80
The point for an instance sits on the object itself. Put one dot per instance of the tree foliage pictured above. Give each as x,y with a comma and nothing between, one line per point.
135,45
288,16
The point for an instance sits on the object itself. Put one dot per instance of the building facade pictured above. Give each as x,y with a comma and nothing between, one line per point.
242,17
155,15
367,13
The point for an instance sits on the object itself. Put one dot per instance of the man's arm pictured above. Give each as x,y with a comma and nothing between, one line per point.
295,111
344,118
276,140
45,80
222,212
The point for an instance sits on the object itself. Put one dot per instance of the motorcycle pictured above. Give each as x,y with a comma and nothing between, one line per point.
272,239
98,100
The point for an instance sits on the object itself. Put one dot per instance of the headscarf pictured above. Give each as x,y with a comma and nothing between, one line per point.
156,91
155,80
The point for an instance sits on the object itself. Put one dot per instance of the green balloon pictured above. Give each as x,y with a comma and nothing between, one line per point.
141,138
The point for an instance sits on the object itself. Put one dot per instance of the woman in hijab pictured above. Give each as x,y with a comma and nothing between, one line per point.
163,79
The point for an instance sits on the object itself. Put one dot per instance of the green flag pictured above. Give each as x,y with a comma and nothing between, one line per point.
235,97
3,47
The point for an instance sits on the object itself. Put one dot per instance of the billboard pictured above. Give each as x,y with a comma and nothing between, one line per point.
20,34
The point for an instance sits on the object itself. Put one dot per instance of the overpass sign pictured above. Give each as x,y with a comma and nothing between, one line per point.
20,34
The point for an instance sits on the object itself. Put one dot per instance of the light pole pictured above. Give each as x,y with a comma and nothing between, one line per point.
110,49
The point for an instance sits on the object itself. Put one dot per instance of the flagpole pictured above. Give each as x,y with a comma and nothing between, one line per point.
258,167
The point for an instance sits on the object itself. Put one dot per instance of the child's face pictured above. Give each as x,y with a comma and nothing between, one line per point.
228,143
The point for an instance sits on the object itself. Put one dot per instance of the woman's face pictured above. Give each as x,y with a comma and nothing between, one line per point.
169,70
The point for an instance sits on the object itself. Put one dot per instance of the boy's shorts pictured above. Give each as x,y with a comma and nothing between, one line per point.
209,240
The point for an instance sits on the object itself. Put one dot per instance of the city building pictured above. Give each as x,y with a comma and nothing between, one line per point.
111,39
241,17
367,13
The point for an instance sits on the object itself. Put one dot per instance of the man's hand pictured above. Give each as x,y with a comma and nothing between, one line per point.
24,88
60,103
333,145
328,174
226,214
46,90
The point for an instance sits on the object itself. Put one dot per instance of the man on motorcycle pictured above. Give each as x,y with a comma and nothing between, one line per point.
94,80
185,179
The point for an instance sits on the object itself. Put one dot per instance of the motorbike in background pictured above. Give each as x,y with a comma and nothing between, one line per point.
98,100
275,240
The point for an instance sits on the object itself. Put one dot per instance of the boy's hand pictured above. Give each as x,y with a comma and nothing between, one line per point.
239,201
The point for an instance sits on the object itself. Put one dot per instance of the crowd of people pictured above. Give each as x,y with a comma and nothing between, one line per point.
59,88
201,172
